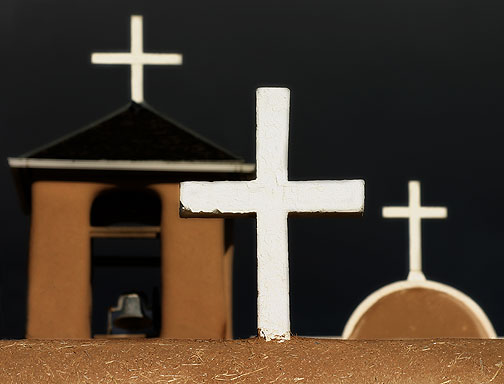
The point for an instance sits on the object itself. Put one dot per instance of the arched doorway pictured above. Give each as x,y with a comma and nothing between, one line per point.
125,255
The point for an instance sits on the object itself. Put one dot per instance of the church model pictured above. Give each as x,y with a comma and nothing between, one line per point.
120,177
137,166
126,168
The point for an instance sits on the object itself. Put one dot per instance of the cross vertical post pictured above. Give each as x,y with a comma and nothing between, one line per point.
414,212
272,140
272,136
271,197
137,82
137,58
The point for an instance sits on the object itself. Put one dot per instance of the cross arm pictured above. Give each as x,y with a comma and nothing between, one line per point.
143,58
396,212
422,212
162,58
112,58
434,212
338,196
218,198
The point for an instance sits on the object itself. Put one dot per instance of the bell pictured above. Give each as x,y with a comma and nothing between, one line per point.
131,309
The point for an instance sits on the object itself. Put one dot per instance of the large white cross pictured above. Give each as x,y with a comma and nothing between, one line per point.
271,196
414,212
137,58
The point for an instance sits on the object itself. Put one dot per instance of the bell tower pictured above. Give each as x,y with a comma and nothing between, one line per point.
62,184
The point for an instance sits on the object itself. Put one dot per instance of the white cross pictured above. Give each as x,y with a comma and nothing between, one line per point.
137,59
271,196
415,213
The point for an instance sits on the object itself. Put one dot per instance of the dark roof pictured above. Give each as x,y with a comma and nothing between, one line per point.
134,133
135,144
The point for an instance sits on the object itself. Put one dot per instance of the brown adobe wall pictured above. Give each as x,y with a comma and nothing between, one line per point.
300,360
196,289
418,313
59,269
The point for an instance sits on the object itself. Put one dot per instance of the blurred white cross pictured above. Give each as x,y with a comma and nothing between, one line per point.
271,196
414,212
137,59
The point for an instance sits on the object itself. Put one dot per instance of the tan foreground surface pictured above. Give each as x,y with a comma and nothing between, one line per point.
300,360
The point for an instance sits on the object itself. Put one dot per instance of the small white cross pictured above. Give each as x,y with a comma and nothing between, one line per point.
271,196
415,213
137,59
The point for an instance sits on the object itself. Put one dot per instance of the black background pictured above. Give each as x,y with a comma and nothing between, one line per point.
388,91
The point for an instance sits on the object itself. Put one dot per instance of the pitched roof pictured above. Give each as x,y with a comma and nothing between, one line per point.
135,140
135,133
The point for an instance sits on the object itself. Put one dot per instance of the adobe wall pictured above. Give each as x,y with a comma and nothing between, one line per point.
300,360
195,287
418,313
59,268
196,278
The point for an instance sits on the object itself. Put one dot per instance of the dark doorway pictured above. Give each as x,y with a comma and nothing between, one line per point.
126,249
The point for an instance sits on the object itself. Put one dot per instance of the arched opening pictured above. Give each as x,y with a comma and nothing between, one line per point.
126,249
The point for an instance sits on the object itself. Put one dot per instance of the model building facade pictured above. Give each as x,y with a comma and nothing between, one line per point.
120,178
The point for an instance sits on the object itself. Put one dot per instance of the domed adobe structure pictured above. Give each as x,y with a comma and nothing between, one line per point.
423,309
417,308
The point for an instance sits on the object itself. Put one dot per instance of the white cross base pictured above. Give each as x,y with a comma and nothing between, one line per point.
271,196
414,212
137,59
